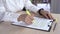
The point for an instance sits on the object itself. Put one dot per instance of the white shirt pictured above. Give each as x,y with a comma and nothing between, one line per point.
15,5
12,6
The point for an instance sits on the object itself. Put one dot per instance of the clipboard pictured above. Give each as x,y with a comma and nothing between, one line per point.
35,26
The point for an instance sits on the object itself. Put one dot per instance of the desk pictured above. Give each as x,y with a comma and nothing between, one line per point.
7,28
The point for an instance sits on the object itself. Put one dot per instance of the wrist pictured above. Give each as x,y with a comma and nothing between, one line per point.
39,11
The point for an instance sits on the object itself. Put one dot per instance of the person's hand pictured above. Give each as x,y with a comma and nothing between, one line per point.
29,19
22,17
26,18
46,14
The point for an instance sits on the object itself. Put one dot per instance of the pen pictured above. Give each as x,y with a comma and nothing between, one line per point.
27,11
55,25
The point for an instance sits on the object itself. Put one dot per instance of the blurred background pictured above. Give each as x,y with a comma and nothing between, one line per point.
55,6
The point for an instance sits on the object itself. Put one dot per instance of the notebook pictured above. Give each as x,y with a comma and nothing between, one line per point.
38,24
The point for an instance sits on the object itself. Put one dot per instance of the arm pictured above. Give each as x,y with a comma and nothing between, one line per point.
30,6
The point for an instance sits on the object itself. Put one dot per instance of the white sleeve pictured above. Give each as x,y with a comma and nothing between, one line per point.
14,5
30,6
2,8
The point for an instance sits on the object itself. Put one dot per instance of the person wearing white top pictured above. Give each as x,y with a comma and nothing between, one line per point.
14,6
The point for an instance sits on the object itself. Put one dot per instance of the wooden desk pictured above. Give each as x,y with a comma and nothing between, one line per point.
7,28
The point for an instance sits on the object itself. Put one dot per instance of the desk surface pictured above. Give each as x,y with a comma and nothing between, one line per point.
7,28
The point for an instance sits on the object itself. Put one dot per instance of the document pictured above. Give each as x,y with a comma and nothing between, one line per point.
38,23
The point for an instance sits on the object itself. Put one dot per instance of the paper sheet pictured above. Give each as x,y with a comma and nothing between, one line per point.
41,24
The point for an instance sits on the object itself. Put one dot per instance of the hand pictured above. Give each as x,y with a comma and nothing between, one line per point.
26,18
46,14
29,19
22,17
